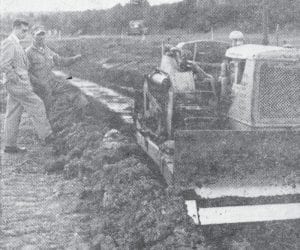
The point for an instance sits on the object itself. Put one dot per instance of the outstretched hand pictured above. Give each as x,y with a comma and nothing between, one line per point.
78,57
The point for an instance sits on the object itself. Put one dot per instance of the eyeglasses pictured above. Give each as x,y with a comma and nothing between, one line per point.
24,31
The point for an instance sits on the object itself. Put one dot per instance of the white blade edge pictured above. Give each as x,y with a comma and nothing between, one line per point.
246,191
192,210
253,213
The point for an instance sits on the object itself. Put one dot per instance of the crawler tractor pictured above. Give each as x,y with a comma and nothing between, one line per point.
231,138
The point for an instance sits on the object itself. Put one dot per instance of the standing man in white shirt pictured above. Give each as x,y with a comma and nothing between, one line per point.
14,64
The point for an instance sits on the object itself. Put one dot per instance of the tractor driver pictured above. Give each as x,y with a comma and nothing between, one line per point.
237,38
227,74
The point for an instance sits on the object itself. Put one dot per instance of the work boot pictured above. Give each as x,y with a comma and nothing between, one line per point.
15,150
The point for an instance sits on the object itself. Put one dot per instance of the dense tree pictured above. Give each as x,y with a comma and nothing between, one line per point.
190,15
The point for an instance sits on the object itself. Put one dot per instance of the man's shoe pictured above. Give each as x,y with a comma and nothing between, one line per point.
14,150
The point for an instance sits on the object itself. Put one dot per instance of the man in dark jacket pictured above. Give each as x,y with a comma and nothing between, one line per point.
41,63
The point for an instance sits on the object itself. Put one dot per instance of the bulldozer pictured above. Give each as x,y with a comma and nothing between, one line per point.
230,140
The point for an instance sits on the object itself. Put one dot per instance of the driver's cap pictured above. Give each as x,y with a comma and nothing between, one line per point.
38,29
236,35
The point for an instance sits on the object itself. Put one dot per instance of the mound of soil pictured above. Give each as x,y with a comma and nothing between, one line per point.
130,205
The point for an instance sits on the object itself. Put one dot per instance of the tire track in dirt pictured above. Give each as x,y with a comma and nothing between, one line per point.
37,210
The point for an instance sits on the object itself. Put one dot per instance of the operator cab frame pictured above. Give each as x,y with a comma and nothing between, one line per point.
263,82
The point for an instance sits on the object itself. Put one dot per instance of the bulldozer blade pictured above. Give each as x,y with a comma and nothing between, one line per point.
216,159
238,176
242,214
246,214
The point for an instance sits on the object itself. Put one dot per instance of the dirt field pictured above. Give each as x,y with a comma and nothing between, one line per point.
129,205
125,204
121,63
116,61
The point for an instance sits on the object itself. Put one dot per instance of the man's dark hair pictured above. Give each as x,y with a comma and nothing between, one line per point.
19,22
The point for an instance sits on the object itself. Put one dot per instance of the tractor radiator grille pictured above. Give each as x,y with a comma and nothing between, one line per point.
279,91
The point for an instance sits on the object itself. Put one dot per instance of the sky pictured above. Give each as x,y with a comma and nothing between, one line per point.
64,5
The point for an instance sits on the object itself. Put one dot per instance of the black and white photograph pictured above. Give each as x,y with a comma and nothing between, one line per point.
150,124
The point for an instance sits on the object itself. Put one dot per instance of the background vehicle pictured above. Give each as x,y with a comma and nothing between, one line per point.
137,27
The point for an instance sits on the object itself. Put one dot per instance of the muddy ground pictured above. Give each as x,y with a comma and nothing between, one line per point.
111,61
118,63
134,208
128,206
122,63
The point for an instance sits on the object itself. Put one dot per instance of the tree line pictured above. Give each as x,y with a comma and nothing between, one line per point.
189,15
